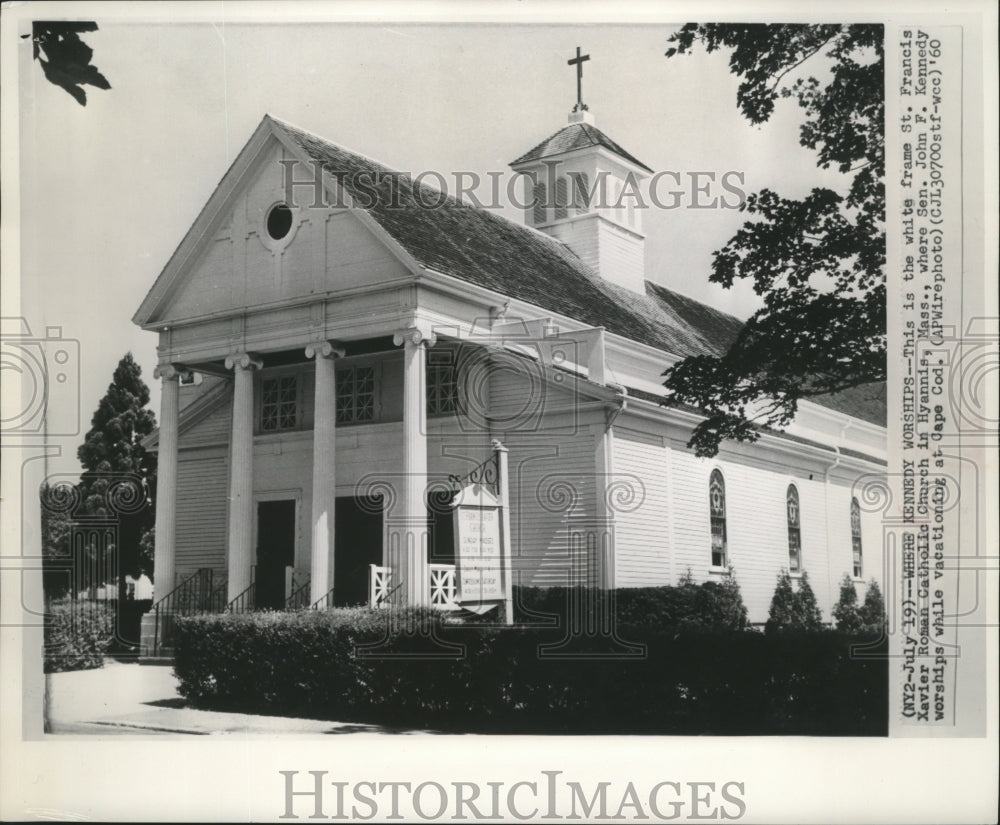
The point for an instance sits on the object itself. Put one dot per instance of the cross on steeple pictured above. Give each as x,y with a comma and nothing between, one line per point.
578,61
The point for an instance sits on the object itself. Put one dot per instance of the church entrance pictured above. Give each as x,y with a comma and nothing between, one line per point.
275,551
358,545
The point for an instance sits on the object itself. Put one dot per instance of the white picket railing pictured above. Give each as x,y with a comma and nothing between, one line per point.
444,589
379,583
443,586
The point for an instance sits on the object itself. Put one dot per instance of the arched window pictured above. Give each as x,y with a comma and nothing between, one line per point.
717,512
794,529
539,205
856,537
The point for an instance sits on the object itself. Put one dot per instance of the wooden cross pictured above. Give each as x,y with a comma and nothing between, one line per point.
578,61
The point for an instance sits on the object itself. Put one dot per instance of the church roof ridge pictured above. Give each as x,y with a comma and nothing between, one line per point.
288,125
495,252
576,136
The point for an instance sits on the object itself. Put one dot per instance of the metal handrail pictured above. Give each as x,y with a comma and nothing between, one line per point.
298,599
193,595
387,598
323,601
243,602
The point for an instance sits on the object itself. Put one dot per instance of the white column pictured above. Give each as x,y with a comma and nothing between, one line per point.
408,541
166,480
241,475
324,474
503,493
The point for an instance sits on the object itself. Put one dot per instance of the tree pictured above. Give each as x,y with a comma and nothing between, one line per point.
872,612
118,471
809,613
56,529
817,262
65,58
793,609
845,611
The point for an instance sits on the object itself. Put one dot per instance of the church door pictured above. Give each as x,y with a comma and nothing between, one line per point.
358,545
275,551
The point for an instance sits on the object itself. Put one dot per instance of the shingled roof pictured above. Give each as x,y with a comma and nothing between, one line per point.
484,248
576,136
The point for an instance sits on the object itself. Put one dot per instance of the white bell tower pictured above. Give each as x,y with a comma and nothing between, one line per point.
586,190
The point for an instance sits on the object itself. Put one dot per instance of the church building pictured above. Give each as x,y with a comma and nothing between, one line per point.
335,353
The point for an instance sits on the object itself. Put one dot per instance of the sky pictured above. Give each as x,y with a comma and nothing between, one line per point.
109,190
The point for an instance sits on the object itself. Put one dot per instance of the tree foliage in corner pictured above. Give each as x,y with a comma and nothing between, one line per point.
817,262
65,58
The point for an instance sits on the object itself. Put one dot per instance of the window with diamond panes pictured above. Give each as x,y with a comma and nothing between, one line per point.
442,386
279,406
794,530
717,511
355,395
856,537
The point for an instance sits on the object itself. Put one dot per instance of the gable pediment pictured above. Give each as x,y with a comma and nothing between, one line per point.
232,261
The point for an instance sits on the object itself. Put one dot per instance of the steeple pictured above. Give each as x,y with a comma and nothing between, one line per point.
585,193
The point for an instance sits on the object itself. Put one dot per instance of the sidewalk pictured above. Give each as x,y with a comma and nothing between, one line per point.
132,699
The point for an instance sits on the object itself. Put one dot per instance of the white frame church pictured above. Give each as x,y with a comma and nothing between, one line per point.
331,356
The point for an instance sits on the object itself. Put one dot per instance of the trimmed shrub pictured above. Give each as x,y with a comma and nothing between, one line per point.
77,634
791,608
712,605
414,670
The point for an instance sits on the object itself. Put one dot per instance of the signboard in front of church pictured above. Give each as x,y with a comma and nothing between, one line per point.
478,554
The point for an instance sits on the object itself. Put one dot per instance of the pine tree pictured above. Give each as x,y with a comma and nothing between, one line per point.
808,610
118,471
872,612
782,613
845,611
791,609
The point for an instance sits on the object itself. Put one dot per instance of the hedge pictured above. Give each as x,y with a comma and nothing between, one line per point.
527,679
687,606
77,634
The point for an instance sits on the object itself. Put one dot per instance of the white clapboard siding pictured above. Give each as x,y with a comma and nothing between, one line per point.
213,427
330,250
689,508
757,529
552,464
839,533
520,396
642,515
554,528
202,482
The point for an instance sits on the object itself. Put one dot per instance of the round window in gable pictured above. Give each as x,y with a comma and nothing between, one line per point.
279,221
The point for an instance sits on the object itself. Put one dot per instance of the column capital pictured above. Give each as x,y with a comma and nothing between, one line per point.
414,335
169,372
324,349
243,361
